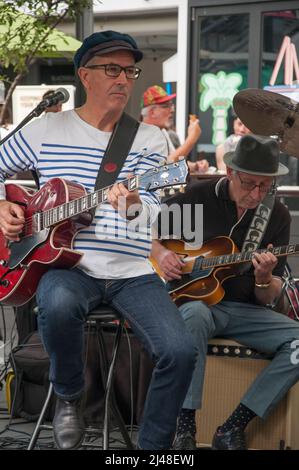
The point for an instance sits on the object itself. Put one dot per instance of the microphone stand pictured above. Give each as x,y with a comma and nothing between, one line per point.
37,111
34,113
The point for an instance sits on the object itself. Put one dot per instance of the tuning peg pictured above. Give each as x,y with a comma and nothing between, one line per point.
162,192
171,191
182,188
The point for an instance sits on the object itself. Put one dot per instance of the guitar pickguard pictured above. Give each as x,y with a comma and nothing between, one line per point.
19,250
186,279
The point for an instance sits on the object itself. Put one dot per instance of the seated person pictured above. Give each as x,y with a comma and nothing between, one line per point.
158,110
113,268
229,205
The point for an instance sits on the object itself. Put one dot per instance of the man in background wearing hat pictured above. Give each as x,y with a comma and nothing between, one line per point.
228,209
158,110
114,267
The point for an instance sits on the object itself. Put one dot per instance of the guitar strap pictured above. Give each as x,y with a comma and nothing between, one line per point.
258,225
117,150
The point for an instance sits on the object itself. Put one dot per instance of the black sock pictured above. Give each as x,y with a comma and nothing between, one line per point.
239,419
186,422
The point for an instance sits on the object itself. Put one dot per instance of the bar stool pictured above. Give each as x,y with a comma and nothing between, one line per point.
98,318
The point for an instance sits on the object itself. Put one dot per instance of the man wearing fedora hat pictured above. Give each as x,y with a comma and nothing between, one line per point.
229,206
114,268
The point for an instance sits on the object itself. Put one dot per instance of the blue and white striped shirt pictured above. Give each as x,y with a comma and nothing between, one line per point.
63,145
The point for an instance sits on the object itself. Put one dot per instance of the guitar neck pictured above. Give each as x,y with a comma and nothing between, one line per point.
161,177
83,204
245,257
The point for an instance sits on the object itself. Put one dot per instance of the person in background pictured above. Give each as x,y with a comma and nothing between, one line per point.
158,109
55,108
230,144
6,127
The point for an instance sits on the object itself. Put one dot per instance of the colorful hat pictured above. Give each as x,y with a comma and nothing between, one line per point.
155,95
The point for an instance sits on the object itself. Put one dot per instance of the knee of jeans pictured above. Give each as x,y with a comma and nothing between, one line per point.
61,303
181,355
196,315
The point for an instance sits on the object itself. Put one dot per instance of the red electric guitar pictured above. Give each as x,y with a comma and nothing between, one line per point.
53,216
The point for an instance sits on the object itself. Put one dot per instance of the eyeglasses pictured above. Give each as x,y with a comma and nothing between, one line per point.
114,70
165,105
250,186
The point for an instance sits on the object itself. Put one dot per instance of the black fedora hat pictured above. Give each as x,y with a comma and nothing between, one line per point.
256,155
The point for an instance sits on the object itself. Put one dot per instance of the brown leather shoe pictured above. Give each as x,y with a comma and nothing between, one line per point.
68,424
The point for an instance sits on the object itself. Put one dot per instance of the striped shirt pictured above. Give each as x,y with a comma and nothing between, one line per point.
63,145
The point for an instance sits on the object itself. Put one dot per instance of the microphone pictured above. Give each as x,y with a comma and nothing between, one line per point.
61,95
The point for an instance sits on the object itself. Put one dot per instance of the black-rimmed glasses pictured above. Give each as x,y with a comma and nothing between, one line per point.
250,186
114,70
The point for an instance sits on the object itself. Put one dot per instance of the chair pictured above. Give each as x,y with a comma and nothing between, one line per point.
98,318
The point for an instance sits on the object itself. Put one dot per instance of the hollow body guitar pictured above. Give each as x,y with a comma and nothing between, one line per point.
53,216
208,267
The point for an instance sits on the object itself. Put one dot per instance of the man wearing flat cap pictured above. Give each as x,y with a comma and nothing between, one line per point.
230,207
114,266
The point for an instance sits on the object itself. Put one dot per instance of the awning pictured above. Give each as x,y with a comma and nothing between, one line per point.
61,44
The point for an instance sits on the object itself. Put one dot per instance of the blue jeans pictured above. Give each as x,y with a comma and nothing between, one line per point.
65,297
254,326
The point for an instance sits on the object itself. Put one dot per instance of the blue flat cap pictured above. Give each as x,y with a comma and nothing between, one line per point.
104,42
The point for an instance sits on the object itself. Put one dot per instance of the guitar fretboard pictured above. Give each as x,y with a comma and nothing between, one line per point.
164,176
73,208
78,206
243,257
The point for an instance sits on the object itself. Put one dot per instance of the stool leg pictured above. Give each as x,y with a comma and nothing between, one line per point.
121,424
37,428
111,403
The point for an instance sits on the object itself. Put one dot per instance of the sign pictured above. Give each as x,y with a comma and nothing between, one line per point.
291,91
26,97
218,93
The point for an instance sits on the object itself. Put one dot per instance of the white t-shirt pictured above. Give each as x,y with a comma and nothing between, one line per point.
63,145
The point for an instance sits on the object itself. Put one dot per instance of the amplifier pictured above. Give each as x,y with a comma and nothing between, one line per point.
230,370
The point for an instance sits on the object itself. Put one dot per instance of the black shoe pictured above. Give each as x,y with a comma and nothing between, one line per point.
230,440
184,441
68,424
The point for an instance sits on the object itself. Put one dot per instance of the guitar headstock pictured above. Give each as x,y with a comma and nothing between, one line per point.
166,176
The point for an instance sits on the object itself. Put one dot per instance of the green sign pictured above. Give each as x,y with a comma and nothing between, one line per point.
218,92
